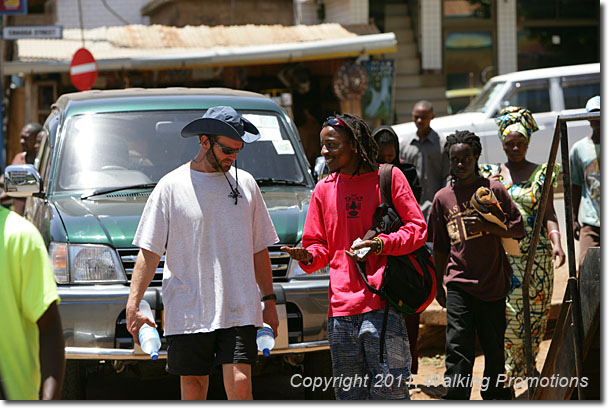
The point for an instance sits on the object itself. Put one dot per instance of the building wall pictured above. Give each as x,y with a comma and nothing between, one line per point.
431,45
181,13
507,36
96,15
347,11
309,13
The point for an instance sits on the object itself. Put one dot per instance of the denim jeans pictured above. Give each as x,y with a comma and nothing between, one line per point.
354,348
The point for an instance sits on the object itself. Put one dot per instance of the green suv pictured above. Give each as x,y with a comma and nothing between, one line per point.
104,153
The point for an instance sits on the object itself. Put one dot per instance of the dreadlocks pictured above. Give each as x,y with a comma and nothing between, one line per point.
360,133
464,137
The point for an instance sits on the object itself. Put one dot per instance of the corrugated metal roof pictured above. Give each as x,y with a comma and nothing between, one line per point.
158,42
156,36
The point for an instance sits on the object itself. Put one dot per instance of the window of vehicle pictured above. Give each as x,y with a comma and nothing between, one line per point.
481,102
533,95
107,150
42,159
578,89
46,146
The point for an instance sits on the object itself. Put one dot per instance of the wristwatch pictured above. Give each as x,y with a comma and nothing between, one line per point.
271,296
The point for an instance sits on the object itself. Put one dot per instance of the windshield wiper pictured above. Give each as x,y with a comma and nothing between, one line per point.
102,191
278,181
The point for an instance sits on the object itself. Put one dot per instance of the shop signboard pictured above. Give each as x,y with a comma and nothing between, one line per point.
377,100
13,6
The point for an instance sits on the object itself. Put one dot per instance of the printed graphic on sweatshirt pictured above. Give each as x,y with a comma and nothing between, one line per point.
353,204
455,223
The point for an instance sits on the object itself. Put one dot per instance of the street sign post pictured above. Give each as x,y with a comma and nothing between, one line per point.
83,69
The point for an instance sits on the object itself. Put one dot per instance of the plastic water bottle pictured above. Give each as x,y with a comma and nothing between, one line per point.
265,339
148,335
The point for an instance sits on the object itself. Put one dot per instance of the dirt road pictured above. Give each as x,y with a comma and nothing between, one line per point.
432,368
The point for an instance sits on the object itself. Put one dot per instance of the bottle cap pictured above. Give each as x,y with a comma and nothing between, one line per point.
154,355
266,352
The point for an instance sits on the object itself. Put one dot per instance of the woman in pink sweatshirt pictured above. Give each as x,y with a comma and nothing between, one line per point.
341,210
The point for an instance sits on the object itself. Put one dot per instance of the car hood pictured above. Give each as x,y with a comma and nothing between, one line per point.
287,208
114,219
449,123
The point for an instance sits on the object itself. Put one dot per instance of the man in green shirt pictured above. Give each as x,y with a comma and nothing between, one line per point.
32,359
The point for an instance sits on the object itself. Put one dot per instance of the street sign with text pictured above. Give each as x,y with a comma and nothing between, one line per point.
17,32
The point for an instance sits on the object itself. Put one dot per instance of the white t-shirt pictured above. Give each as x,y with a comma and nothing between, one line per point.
208,278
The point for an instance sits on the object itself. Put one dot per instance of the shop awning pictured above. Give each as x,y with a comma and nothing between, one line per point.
161,47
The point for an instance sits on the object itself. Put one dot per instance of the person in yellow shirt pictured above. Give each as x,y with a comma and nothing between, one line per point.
32,359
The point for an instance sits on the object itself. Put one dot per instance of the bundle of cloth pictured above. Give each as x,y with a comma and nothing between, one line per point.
486,204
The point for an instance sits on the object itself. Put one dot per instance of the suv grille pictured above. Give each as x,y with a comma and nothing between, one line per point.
128,258
124,340
295,323
279,264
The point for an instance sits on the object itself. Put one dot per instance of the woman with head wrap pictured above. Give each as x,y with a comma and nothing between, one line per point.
524,181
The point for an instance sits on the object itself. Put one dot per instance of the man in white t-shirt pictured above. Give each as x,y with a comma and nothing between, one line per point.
210,220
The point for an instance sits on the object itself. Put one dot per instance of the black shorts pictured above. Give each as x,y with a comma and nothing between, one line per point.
195,354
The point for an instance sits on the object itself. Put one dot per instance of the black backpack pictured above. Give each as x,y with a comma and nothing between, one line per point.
409,281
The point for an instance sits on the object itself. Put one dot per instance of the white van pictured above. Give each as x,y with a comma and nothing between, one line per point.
547,92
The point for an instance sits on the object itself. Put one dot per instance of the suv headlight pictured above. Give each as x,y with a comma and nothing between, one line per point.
74,263
295,271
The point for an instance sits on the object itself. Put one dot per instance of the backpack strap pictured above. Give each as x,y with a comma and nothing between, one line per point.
385,184
385,191
361,269
384,327
385,187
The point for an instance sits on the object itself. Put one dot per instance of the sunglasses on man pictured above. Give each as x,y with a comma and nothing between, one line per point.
228,150
334,121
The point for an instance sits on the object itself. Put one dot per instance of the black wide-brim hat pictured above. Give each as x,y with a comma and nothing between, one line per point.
222,120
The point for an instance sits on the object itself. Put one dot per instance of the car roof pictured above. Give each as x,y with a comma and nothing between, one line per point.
136,99
549,72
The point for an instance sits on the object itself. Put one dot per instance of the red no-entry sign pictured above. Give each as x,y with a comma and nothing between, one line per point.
83,69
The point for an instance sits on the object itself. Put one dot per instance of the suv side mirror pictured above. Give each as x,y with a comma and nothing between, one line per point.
21,181
320,169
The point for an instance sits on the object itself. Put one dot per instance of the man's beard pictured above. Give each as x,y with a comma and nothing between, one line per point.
216,166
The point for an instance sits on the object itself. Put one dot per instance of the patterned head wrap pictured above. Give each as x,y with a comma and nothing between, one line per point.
516,119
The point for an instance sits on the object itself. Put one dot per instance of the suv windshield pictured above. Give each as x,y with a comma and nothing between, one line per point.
482,101
130,148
